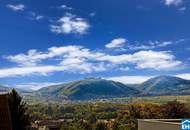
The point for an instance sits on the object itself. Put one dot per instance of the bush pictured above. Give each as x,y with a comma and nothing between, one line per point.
133,112
175,110
101,126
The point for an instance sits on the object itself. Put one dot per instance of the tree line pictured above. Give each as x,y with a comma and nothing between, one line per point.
92,116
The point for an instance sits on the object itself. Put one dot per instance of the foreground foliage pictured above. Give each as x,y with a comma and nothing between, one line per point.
18,110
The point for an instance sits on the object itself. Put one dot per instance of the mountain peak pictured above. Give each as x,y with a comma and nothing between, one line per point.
164,85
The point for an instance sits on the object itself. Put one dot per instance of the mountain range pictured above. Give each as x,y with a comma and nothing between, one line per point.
4,89
97,88
7,89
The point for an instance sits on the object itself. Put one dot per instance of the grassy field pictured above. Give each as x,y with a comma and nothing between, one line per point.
155,99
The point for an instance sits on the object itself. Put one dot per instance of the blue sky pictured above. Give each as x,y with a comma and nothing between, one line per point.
54,41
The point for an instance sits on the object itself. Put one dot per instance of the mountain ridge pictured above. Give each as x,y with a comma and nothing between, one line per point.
89,89
156,86
165,85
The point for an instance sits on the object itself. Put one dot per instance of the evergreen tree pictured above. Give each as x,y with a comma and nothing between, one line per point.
19,117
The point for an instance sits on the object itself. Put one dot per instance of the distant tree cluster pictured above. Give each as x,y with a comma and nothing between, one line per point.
94,115
171,110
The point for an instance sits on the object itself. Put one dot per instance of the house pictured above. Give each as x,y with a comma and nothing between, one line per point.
5,119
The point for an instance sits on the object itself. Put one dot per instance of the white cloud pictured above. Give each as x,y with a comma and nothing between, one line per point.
173,2
33,57
124,68
130,79
184,76
76,55
39,17
36,86
70,24
145,45
151,45
29,59
35,16
72,61
141,79
155,60
77,59
182,9
18,7
46,69
115,43
65,7
148,45
25,71
145,60
165,43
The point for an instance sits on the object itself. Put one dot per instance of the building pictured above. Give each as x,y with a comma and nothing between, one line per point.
156,124
5,119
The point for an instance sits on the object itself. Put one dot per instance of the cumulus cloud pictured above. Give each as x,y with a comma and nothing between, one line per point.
69,24
155,60
115,43
29,59
173,2
145,60
78,59
33,57
17,7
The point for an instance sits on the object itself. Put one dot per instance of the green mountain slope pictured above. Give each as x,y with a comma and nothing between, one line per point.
88,89
165,85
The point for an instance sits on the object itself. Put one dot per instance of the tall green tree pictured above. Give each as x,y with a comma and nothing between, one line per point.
18,110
